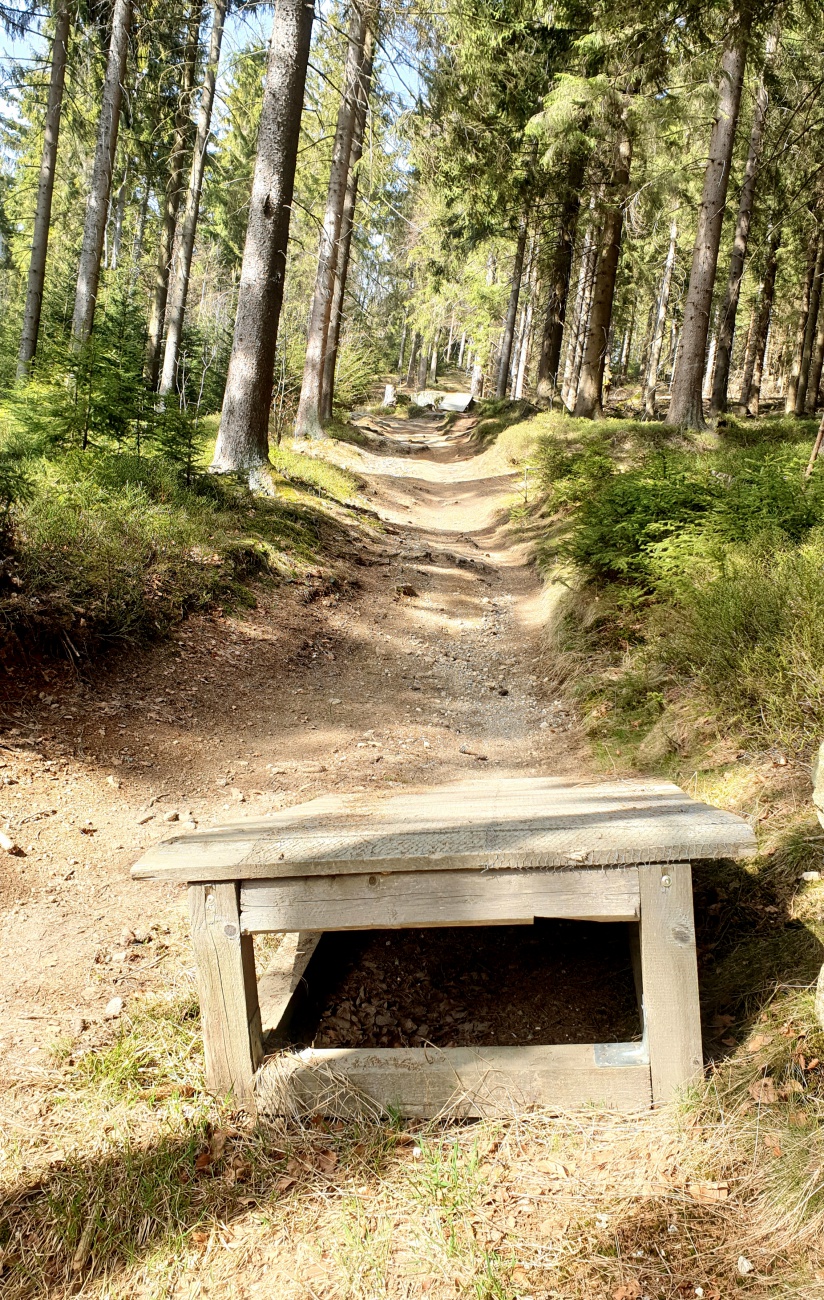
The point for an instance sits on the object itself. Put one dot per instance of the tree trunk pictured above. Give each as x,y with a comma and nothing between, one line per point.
550,359
308,420
512,310
423,365
97,206
413,357
626,346
172,197
686,406
476,387
119,214
651,379
749,351
801,332
433,360
588,400
751,388
811,330
45,189
243,440
461,350
347,224
575,330
761,323
523,355
729,307
176,308
816,364
403,345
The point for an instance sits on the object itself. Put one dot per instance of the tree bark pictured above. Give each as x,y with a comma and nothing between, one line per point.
549,360
811,330
588,399
172,196
308,420
97,206
176,308
423,365
751,387
686,406
574,333
403,346
347,224
45,190
651,379
816,365
413,357
243,440
801,331
512,310
433,359
729,307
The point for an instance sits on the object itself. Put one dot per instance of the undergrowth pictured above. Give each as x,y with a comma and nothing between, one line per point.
696,573
118,540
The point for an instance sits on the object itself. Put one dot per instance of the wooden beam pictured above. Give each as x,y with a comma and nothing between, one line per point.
284,985
437,898
458,1081
669,974
229,1010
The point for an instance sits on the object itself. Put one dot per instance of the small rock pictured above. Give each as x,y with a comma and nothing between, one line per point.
127,937
423,1031
744,1266
79,1026
810,875
171,816
190,825
114,1008
406,589
7,843
113,780
237,795
141,821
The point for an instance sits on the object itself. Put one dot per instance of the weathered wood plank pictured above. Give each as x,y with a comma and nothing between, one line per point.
423,1083
669,974
229,1009
284,981
437,898
534,822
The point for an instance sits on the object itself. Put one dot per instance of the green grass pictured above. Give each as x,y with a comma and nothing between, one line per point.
105,547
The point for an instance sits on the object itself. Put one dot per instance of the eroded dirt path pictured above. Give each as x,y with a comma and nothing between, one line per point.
428,669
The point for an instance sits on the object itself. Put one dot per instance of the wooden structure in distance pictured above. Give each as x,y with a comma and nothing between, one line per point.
483,852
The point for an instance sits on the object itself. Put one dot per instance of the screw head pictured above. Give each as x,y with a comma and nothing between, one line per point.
666,881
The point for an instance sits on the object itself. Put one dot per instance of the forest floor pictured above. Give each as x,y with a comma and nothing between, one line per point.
121,1177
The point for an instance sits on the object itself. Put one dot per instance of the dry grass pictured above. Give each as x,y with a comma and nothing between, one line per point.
134,1183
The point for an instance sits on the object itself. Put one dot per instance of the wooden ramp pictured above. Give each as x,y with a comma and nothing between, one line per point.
480,852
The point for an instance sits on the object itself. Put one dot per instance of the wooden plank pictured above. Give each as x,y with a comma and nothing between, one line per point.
281,988
435,898
229,1009
519,823
669,975
424,1083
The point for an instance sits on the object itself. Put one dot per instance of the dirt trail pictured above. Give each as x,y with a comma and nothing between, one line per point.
430,670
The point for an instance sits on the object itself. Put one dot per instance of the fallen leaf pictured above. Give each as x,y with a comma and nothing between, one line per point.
813,1063
760,1040
519,1276
708,1193
283,1184
553,1167
791,1086
744,1266
629,1291
763,1091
